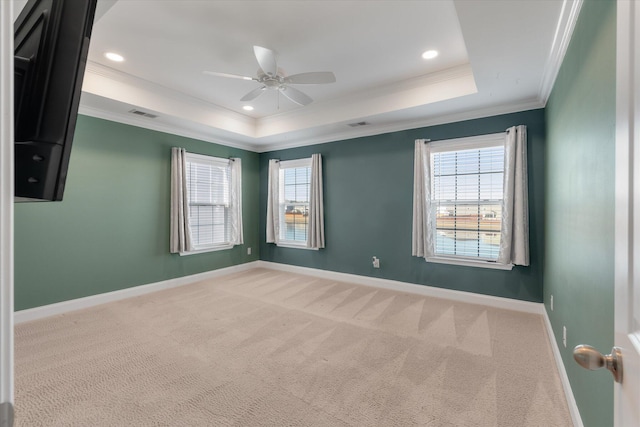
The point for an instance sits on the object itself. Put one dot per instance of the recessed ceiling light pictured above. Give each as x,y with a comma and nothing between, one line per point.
114,57
430,54
247,108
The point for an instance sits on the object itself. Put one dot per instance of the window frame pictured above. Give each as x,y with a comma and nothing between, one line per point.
459,144
216,162
291,164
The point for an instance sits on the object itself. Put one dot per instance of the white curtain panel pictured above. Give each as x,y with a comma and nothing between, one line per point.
422,242
237,237
316,205
273,214
180,239
514,244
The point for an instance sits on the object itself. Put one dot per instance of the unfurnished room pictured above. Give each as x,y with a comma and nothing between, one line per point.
319,213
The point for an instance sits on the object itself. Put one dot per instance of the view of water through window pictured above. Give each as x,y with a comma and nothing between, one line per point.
295,232
294,206
295,222
467,192
487,244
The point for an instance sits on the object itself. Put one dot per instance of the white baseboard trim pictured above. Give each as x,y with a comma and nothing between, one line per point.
430,291
466,297
412,288
564,378
93,300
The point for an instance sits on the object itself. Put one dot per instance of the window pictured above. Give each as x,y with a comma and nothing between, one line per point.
466,198
209,198
470,200
295,206
293,202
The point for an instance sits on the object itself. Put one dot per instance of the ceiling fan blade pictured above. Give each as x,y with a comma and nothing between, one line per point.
253,94
233,76
267,60
296,96
313,78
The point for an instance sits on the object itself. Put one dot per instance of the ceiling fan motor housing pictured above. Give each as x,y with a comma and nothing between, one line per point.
271,82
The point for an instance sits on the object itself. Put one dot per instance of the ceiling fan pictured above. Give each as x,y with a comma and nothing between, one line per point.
272,78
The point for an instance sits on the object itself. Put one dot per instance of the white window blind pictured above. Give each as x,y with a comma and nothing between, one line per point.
208,193
466,200
295,181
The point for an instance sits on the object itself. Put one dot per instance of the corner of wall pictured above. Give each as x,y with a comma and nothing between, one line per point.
562,372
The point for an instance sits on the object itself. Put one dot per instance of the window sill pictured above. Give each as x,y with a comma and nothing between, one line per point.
205,250
295,246
470,263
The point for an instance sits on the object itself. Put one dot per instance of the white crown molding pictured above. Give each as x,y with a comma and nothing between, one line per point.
93,300
109,83
372,130
193,118
564,31
322,121
442,76
443,85
562,372
115,85
183,129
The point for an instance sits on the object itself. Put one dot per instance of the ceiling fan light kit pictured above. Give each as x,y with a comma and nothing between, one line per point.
272,78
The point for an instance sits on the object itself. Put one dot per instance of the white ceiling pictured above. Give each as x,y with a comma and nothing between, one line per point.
495,56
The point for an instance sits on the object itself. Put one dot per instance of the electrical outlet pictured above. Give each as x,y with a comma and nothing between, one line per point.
249,253
376,262
551,302
564,336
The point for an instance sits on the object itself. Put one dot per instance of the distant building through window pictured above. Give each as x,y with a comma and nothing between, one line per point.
295,182
466,195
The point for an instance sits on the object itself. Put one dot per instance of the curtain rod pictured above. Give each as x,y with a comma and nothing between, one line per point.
233,159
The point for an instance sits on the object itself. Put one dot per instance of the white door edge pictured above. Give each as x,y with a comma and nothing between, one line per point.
6,202
627,212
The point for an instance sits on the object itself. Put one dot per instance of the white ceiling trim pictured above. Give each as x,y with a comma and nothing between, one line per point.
407,125
351,133
108,83
191,117
414,103
446,84
439,86
561,39
146,123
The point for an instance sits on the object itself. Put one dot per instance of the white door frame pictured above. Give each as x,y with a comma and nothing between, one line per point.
6,213
627,216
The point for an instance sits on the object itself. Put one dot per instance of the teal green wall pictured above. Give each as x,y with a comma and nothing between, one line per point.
368,196
111,231
579,214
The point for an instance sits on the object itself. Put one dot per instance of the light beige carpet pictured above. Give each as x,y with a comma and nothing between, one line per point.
266,348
